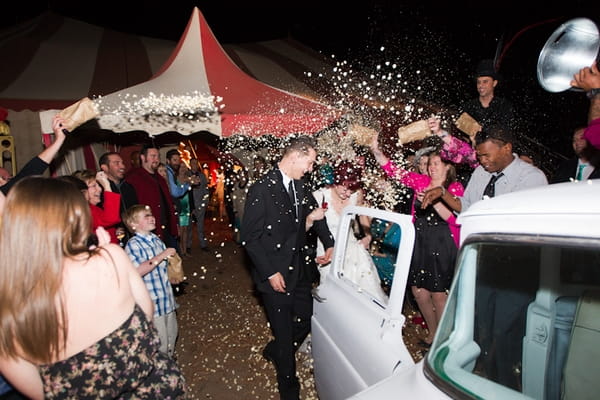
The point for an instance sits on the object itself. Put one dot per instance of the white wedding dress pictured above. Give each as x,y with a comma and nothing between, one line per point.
358,265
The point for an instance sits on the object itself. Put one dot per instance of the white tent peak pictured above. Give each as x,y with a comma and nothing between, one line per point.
176,98
199,88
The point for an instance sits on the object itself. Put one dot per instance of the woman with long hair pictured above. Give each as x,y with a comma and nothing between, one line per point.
76,320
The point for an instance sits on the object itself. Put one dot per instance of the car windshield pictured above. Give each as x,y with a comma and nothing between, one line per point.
517,322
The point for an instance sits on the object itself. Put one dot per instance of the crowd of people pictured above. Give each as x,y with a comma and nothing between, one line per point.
133,222
90,282
76,302
277,233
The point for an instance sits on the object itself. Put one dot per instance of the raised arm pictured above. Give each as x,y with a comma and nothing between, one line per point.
381,158
453,149
38,165
588,79
48,154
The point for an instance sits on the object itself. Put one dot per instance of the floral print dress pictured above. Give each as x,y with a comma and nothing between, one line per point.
126,364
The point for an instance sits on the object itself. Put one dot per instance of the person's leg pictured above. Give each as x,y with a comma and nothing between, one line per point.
160,323
183,232
190,236
439,302
200,214
303,309
423,298
280,309
172,331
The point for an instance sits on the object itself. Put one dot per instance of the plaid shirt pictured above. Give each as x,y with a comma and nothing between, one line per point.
141,248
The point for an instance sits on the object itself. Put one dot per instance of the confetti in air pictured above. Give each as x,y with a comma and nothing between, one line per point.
159,112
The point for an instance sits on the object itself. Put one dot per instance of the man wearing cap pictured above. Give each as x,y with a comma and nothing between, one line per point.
488,109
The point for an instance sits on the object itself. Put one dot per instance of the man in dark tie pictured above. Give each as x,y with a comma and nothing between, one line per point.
279,209
500,171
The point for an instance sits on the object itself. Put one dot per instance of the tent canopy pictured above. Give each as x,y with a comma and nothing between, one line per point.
199,88
53,61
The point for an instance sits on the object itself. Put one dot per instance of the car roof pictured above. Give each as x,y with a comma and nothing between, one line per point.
570,208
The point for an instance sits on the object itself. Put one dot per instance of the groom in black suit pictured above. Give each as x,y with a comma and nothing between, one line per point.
279,209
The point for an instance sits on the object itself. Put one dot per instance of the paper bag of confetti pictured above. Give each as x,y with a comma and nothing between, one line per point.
418,130
467,124
79,113
361,135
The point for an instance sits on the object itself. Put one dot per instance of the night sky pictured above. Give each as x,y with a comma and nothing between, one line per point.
331,26
438,43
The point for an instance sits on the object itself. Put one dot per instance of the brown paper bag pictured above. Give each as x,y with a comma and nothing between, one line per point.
418,130
175,269
361,135
467,124
79,113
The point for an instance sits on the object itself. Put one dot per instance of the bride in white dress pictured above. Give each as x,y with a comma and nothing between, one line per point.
358,265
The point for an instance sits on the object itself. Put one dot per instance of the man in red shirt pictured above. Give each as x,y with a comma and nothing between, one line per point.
152,189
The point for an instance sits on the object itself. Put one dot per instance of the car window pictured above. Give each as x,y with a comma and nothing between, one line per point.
371,251
517,321
385,239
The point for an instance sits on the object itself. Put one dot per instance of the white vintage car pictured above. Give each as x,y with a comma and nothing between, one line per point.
522,319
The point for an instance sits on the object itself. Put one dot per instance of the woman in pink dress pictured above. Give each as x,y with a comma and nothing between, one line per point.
436,234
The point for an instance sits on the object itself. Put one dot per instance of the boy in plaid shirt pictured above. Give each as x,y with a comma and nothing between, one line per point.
148,254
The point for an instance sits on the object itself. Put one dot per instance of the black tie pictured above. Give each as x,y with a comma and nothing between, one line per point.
292,195
490,189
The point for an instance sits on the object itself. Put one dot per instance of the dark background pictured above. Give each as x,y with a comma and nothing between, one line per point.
436,44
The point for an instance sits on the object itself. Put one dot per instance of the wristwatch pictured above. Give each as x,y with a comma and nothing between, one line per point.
593,93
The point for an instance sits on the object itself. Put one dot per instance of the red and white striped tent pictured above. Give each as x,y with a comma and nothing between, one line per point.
58,61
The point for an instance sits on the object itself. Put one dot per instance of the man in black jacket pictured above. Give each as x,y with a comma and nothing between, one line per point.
576,168
279,209
487,108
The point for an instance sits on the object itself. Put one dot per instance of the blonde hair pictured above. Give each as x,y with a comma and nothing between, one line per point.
132,214
45,220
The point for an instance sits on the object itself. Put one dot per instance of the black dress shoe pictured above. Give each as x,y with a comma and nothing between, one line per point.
267,356
266,353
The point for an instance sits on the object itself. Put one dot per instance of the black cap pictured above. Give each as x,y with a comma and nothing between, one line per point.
486,68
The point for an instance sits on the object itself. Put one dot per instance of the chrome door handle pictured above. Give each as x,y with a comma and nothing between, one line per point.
315,295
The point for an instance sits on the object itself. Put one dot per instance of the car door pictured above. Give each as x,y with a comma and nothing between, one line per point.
356,335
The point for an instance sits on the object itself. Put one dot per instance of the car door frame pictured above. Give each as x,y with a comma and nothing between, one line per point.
356,340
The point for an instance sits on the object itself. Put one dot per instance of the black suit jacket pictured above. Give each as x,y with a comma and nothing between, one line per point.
273,239
567,170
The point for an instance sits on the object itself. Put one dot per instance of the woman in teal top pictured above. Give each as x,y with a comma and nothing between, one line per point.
184,210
